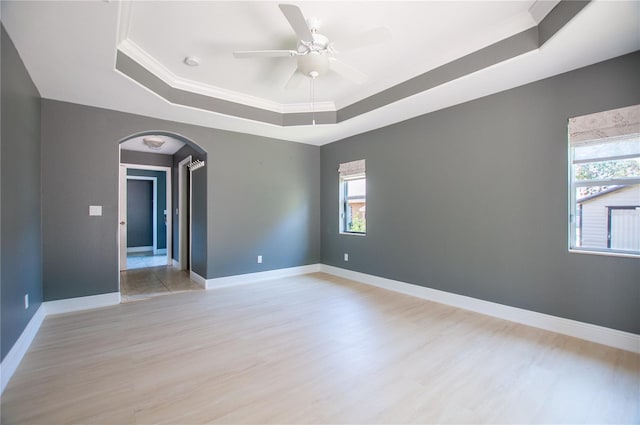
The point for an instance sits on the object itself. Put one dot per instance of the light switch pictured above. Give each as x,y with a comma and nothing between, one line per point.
95,210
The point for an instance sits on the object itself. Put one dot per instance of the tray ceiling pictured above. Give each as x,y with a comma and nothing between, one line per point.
106,54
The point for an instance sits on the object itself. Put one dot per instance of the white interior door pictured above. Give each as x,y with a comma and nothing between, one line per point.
122,218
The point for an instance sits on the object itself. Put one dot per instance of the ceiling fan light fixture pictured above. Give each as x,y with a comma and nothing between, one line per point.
154,143
315,62
314,51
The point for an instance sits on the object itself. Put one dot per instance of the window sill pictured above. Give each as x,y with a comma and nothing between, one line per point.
604,253
353,234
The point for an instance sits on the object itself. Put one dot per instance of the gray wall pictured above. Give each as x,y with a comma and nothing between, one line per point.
473,200
146,158
265,196
262,197
161,227
21,261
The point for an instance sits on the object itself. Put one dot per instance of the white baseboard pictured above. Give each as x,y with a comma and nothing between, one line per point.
140,248
13,358
241,279
198,279
599,334
81,303
175,263
594,333
17,352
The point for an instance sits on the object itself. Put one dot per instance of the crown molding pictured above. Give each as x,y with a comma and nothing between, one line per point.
129,47
134,62
138,54
541,8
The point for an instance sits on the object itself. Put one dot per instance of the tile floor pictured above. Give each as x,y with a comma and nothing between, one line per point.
140,284
140,260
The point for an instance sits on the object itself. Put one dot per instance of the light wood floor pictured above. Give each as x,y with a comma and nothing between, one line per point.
312,349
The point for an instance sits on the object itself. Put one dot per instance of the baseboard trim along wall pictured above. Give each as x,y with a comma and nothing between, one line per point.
227,281
13,358
594,333
198,279
140,248
69,305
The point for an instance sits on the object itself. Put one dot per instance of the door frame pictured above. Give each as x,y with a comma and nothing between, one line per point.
154,208
184,185
122,208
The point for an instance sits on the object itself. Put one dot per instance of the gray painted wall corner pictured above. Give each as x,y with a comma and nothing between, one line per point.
271,192
472,200
251,185
21,261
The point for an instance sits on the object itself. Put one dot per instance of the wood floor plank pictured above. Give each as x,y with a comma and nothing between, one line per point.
312,349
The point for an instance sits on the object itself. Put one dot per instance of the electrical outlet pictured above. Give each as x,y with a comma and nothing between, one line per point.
26,301
346,257
259,259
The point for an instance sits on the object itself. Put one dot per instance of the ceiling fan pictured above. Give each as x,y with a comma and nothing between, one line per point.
315,51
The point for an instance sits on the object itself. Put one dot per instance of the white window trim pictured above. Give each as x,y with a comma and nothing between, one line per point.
341,201
607,252
598,251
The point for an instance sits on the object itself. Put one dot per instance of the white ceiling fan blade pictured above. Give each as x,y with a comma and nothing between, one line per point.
347,71
374,36
264,54
296,20
295,80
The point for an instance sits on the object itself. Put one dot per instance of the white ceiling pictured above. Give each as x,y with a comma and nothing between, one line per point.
69,49
171,145
213,30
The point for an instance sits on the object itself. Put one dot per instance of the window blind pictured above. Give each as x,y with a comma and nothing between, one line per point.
604,127
352,169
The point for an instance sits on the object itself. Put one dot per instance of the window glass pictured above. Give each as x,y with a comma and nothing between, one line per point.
355,205
605,191
353,197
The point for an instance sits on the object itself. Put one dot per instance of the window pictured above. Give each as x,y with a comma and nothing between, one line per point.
353,197
605,182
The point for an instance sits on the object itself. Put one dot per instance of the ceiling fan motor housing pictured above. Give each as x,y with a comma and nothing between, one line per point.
313,58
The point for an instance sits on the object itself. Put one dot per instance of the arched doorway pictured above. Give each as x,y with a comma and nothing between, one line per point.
156,214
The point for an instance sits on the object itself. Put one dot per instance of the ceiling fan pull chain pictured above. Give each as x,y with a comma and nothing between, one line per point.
313,75
313,109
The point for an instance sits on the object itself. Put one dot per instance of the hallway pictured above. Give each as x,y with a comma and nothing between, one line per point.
141,260
140,284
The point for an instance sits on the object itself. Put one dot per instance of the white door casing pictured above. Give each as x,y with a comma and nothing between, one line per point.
122,219
184,231
154,208
122,208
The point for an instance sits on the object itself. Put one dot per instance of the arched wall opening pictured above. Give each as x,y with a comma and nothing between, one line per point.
186,213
